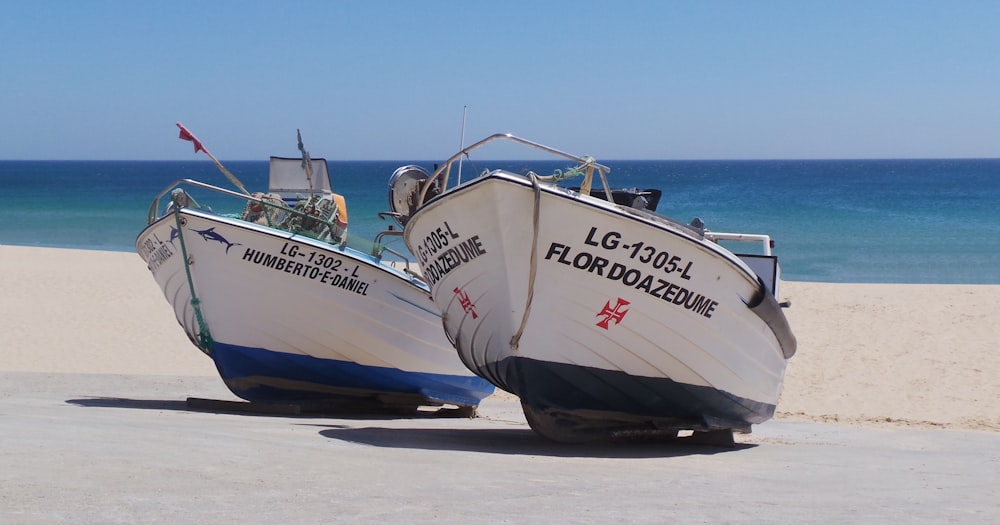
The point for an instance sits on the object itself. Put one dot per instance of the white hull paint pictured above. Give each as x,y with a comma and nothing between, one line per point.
285,316
622,304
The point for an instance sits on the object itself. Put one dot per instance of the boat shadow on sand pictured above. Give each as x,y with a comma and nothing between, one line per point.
511,441
355,410
522,441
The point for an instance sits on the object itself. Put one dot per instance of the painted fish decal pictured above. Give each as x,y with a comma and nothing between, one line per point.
174,233
210,235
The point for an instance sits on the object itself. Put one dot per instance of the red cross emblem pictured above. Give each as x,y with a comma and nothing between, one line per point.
616,313
465,302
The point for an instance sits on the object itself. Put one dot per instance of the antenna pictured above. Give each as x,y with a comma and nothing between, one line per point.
465,110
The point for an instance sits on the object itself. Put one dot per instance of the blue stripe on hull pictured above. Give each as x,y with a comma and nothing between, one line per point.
262,375
589,394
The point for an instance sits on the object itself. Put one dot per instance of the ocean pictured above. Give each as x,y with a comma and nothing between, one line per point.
864,221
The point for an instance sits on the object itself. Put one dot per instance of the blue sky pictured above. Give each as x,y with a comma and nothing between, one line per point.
389,79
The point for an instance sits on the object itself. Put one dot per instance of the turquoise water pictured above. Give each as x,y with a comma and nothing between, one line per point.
892,221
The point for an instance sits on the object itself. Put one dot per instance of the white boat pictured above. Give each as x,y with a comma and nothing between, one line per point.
604,319
292,309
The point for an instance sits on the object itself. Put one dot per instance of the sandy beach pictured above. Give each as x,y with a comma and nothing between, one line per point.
869,354
894,354
890,409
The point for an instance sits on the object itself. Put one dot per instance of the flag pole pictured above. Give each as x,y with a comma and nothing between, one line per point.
187,135
306,162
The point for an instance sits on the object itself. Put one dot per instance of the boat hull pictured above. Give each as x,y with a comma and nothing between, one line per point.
290,319
632,321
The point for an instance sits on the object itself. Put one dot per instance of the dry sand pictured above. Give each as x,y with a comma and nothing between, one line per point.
869,354
926,355
88,312
94,428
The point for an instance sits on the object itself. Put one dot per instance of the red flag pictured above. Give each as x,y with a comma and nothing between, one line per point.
187,135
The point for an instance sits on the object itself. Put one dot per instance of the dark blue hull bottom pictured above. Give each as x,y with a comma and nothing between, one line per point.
261,375
564,402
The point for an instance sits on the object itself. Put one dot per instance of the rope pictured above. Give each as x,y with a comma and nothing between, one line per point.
204,337
569,173
515,341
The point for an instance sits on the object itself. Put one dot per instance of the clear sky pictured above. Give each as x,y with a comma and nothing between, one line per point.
381,80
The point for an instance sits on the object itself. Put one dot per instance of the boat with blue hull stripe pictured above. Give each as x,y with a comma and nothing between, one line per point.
256,374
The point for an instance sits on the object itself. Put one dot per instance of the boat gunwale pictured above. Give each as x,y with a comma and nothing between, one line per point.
666,224
345,250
